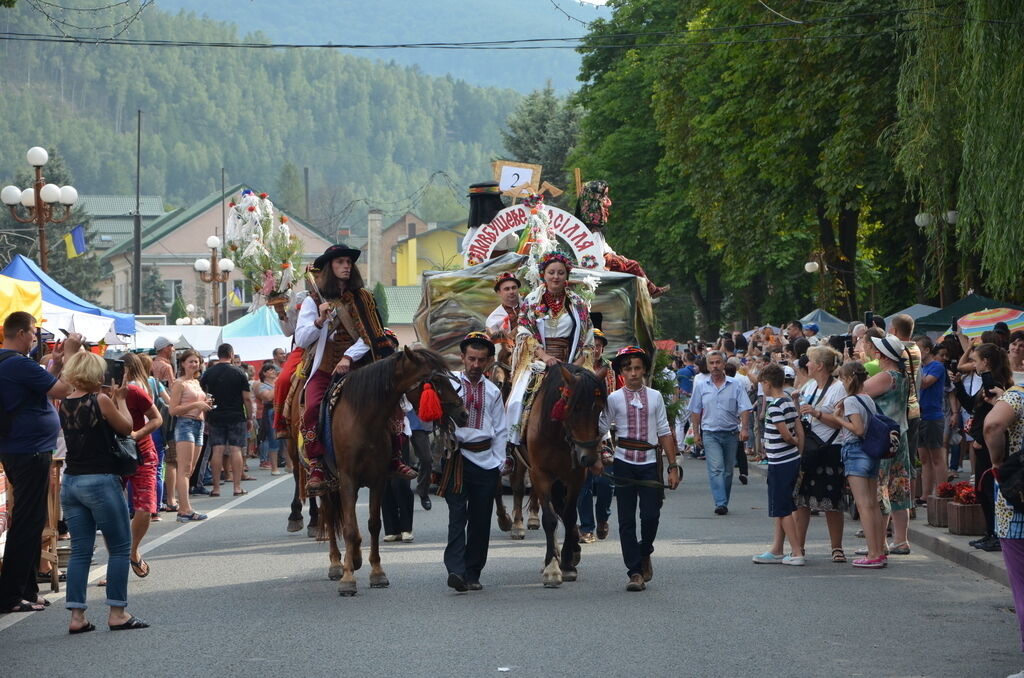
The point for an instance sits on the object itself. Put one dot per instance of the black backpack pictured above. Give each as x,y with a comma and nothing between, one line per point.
7,417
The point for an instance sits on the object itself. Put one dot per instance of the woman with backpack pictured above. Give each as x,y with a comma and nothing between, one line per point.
861,468
891,391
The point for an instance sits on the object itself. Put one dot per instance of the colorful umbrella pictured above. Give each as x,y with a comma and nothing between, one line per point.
973,324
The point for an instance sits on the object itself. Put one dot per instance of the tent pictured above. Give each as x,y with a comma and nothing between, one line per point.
18,295
254,336
942,320
916,311
93,328
23,268
204,339
827,323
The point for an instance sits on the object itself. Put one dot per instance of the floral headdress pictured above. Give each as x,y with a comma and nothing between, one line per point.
552,257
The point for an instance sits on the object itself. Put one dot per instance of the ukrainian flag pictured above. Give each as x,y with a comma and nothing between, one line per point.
75,241
235,297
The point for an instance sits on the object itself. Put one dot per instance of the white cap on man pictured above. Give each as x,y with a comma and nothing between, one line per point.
161,343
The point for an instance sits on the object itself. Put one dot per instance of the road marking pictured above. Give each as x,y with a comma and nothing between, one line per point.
97,572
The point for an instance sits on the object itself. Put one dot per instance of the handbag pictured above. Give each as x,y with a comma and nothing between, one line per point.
124,451
813,444
881,439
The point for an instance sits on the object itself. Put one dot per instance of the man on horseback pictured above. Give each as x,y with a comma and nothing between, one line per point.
639,426
503,321
472,472
339,332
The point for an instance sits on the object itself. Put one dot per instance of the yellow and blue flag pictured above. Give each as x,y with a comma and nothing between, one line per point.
75,241
235,297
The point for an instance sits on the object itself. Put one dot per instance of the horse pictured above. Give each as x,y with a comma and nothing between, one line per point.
559,452
517,479
362,445
293,408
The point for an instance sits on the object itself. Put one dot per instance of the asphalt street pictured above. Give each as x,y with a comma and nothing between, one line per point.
238,595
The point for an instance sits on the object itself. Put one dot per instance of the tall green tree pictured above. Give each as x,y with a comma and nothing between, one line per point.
542,131
290,192
154,294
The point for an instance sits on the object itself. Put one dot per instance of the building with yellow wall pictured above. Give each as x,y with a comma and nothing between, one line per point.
437,249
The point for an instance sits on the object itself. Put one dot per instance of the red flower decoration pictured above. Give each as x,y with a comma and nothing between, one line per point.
945,490
966,495
252,208
231,204
284,219
263,195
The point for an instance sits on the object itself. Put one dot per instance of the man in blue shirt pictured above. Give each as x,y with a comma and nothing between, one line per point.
25,452
931,431
685,375
719,411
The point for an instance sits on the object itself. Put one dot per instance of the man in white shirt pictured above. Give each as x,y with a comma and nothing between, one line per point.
503,321
473,471
640,428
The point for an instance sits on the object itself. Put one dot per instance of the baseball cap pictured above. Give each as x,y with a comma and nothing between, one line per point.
161,343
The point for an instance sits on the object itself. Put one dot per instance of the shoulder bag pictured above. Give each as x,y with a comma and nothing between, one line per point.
123,449
813,444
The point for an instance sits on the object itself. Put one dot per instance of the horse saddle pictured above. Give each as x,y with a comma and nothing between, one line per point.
327,405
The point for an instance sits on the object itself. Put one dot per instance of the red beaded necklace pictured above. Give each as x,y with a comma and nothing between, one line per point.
554,305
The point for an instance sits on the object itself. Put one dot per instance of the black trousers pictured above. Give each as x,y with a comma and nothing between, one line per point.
29,478
421,448
469,520
627,497
396,505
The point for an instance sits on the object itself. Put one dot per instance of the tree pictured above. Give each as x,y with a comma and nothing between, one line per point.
80,274
543,131
154,294
382,302
290,195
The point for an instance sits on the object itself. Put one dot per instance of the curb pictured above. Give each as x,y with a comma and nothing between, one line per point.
955,548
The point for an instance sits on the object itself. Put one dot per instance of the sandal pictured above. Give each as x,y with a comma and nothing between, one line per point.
838,556
240,493
141,568
131,624
901,549
44,577
169,508
24,606
246,476
215,493
89,626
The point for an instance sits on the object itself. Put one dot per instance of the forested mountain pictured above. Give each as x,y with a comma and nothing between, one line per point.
403,21
365,129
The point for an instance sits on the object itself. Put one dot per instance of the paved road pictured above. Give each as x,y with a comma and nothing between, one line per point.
238,595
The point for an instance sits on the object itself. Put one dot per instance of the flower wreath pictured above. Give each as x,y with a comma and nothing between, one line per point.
552,257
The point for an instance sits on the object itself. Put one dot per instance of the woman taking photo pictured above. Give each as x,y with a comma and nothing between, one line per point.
142,484
554,327
189,404
821,483
91,495
891,391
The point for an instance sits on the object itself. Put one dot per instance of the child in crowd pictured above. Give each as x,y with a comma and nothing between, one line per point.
783,440
861,469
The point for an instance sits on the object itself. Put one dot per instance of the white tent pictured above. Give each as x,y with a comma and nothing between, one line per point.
202,338
93,328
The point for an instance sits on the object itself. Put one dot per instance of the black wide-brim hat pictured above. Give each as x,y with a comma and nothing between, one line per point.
332,253
484,188
478,340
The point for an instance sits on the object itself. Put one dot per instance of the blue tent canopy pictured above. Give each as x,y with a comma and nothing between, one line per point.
260,323
23,268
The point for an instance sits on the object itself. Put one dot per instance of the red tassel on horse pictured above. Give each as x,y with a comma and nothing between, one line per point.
430,404
558,412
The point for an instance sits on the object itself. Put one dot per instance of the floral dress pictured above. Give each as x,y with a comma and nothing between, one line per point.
895,473
1010,523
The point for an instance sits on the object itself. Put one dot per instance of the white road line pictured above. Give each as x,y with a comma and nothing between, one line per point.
98,572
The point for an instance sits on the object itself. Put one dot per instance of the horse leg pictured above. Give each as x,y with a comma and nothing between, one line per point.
378,580
518,489
295,517
504,522
332,522
350,530
314,519
571,545
534,522
552,573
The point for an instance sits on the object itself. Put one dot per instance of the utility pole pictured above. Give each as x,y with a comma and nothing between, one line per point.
137,225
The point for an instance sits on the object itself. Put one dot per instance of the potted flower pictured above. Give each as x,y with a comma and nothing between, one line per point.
964,512
938,504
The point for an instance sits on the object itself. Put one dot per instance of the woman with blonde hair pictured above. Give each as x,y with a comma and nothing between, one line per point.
189,404
821,484
91,495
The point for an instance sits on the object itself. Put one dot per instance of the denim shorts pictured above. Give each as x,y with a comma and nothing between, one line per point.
231,435
187,430
857,462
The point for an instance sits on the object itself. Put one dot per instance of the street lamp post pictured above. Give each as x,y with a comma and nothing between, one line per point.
40,201
215,272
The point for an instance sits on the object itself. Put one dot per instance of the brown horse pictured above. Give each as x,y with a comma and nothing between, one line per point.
559,453
362,445
293,407
502,376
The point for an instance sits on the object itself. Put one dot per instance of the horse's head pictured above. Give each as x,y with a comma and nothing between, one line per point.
419,367
584,395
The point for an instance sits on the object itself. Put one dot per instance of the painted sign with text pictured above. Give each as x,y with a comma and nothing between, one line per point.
572,232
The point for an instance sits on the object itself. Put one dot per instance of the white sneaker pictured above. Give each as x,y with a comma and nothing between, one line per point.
392,537
407,536
794,560
1017,675
767,558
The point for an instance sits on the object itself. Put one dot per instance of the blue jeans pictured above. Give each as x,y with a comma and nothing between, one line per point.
89,502
161,450
720,449
602,488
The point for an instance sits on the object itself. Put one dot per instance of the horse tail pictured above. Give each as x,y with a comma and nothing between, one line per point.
330,515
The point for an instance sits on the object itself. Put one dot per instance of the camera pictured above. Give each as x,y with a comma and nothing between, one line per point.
114,374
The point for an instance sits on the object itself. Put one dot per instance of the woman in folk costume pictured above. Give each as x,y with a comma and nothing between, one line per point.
554,327
592,209
340,331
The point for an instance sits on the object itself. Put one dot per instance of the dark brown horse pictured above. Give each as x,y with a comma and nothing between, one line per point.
293,408
559,453
362,445
513,524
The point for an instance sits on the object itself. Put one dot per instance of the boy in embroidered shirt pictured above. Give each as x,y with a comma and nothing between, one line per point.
783,440
641,426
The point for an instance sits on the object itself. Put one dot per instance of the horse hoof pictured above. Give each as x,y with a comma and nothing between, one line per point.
569,575
518,533
576,559
313,533
533,524
334,572
380,582
294,525
552,584
347,589
504,523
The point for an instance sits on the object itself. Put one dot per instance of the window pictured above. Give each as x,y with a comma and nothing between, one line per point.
172,290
